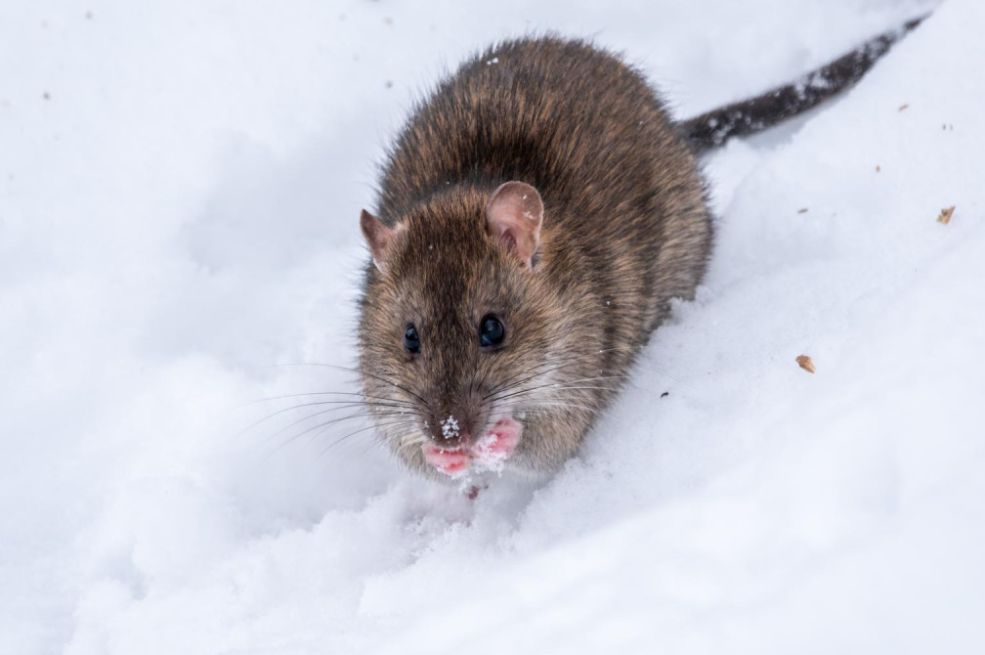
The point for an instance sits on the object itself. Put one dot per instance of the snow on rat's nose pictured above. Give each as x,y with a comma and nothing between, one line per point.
454,422
449,430
454,417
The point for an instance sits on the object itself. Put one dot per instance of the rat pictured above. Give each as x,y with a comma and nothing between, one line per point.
536,217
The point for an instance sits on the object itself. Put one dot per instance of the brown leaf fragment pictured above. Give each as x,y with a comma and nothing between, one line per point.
945,215
904,106
805,363
878,168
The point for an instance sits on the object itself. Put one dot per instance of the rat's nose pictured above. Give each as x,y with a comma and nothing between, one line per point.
450,430
454,416
451,427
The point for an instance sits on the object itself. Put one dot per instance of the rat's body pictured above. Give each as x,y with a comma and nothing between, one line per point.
537,215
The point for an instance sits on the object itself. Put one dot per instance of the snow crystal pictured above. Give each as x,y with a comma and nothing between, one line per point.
486,458
449,427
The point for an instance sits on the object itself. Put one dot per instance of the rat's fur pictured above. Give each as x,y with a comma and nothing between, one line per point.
626,229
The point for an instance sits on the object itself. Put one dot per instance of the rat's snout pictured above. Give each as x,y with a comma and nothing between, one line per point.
455,424
451,429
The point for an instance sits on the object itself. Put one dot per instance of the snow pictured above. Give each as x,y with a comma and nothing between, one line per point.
449,427
180,186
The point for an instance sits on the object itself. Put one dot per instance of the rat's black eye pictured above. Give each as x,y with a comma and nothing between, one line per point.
412,342
491,331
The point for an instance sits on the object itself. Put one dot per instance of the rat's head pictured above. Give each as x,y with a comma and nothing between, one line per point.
457,320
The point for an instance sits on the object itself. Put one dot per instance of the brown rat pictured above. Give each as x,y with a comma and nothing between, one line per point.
537,215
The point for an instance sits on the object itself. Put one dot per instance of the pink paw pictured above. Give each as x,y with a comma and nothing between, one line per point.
487,454
501,441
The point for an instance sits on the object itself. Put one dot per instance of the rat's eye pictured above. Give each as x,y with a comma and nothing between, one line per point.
491,331
412,342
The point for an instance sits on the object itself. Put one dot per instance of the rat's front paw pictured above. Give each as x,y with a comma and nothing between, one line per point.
487,454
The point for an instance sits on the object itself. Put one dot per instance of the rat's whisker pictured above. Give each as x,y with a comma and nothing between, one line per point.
330,393
316,429
374,376
336,405
341,419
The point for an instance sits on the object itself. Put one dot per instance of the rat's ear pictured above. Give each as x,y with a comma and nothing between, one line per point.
378,237
513,217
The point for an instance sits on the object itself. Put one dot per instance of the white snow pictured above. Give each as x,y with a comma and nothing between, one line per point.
180,185
488,459
449,427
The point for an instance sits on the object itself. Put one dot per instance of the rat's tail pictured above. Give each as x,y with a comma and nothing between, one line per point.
713,128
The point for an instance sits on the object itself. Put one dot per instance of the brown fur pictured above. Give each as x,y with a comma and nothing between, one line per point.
626,229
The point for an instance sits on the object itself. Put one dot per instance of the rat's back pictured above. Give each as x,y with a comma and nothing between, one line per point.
624,201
